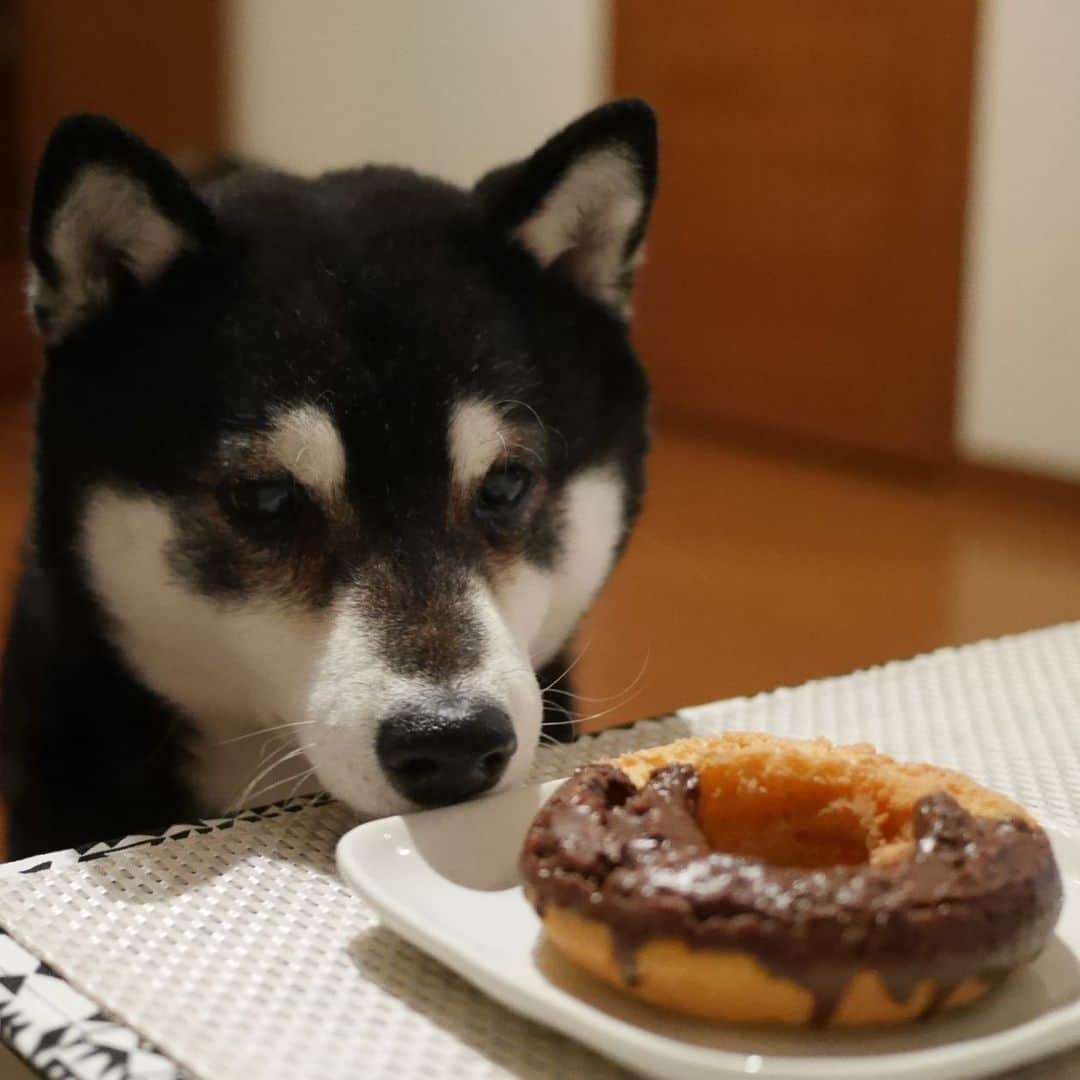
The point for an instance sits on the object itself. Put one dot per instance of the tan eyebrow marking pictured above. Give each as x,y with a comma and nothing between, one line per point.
477,437
305,441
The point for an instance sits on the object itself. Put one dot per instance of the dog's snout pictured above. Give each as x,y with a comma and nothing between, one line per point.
446,755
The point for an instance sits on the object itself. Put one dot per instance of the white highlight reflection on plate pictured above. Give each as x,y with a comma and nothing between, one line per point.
447,881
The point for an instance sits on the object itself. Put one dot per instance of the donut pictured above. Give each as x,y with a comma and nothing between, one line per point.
754,879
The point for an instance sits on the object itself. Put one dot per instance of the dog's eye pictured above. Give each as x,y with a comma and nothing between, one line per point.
264,503
503,491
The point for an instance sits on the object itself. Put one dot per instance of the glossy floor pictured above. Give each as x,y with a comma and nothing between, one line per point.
753,570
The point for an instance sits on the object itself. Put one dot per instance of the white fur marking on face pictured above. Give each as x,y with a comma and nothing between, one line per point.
306,442
590,213
232,668
543,607
477,438
102,210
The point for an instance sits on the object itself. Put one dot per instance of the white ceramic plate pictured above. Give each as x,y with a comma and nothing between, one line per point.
447,880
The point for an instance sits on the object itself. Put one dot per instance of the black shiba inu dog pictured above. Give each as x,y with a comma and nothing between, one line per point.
341,459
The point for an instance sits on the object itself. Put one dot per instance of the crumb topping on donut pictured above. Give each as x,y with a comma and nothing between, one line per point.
943,894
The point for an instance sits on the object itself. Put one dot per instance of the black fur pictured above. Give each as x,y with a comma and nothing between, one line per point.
381,295
513,193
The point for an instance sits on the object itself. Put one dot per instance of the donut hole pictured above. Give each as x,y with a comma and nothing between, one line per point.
790,817
806,802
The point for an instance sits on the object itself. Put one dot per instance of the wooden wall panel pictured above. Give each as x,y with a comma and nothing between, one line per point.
804,266
9,98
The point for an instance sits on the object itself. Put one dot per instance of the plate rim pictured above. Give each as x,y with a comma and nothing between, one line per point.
1030,1041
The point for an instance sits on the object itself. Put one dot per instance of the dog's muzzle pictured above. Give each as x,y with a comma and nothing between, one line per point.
446,755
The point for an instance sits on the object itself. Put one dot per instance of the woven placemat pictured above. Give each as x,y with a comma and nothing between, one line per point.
235,950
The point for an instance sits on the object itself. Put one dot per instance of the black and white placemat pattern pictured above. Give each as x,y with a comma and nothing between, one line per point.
61,1033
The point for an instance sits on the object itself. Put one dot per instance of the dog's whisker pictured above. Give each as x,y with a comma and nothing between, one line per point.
274,745
592,716
266,771
550,706
265,731
525,405
502,444
605,712
608,697
299,777
265,768
574,663
303,777
530,450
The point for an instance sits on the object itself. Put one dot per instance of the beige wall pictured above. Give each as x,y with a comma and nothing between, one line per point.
447,86
1020,399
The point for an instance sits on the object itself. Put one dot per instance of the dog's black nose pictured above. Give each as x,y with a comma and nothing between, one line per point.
447,755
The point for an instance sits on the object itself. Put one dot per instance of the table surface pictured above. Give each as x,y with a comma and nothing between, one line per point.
229,948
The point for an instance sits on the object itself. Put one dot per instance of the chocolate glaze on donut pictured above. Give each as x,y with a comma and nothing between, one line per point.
976,898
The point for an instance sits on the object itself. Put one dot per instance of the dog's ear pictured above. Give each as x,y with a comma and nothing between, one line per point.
581,203
110,214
